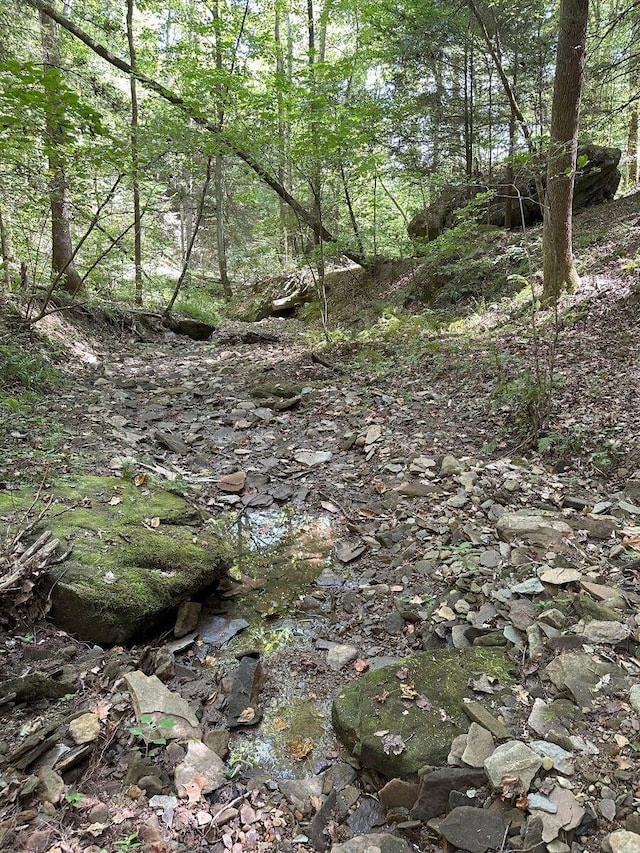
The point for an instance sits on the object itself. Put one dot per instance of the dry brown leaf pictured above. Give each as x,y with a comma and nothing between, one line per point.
393,744
403,673
115,500
153,522
193,789
408,691
247,715
139,480
382,697
424,703
299,748
632,541
280,725
101,709
361,665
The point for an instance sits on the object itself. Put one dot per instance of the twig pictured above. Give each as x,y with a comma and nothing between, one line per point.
228,805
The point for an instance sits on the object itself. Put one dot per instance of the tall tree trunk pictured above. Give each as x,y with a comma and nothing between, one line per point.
283,131
315,179
558,265
4,252
510,188
135,167
218,179
633,138
61,248
220,226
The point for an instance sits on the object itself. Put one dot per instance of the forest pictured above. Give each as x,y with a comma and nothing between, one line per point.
319,416
222,143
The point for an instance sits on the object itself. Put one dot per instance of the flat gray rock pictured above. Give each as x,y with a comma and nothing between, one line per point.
218,630
563,760
610,633
579,672
151,698
474,830
544,529
373,843
480,745
623,841
202,771
340,655
512,759
435,787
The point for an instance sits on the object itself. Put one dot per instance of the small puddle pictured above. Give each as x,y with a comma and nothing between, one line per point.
291,742
280,555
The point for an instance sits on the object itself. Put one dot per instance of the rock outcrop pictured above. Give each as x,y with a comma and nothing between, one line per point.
595,183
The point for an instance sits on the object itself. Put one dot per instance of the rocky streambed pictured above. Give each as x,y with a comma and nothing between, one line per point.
406,645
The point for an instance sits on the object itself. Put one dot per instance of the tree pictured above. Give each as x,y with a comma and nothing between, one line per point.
218,137
558,265
61,249
135,167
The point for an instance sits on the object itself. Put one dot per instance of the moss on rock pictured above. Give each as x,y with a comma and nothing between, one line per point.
375,704
136,553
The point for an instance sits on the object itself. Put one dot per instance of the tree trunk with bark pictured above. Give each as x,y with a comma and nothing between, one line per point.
61,248
135,168
558,265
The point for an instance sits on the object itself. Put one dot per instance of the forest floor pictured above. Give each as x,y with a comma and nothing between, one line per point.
371,484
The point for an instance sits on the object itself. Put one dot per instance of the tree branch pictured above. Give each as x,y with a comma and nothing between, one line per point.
173,98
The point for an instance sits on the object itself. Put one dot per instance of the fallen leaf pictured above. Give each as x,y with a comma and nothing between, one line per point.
408,691
140,479
101,709
347,553
482,684
361,665
632,541
247,715
523,696
379,485
299,748
403,673
153,522
382,697
381,733
280,725
393,744
115,500
193,788
423,703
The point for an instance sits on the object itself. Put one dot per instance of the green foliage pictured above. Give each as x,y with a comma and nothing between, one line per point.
125,845
73,798
152,732
24,368
199,305
526,400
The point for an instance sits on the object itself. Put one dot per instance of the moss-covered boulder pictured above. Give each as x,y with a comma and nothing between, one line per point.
402,717
135,553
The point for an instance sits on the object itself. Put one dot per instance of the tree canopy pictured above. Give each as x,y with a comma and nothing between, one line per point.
329,123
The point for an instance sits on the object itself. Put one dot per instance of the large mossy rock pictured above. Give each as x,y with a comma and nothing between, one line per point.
375,704
595,183
136,553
